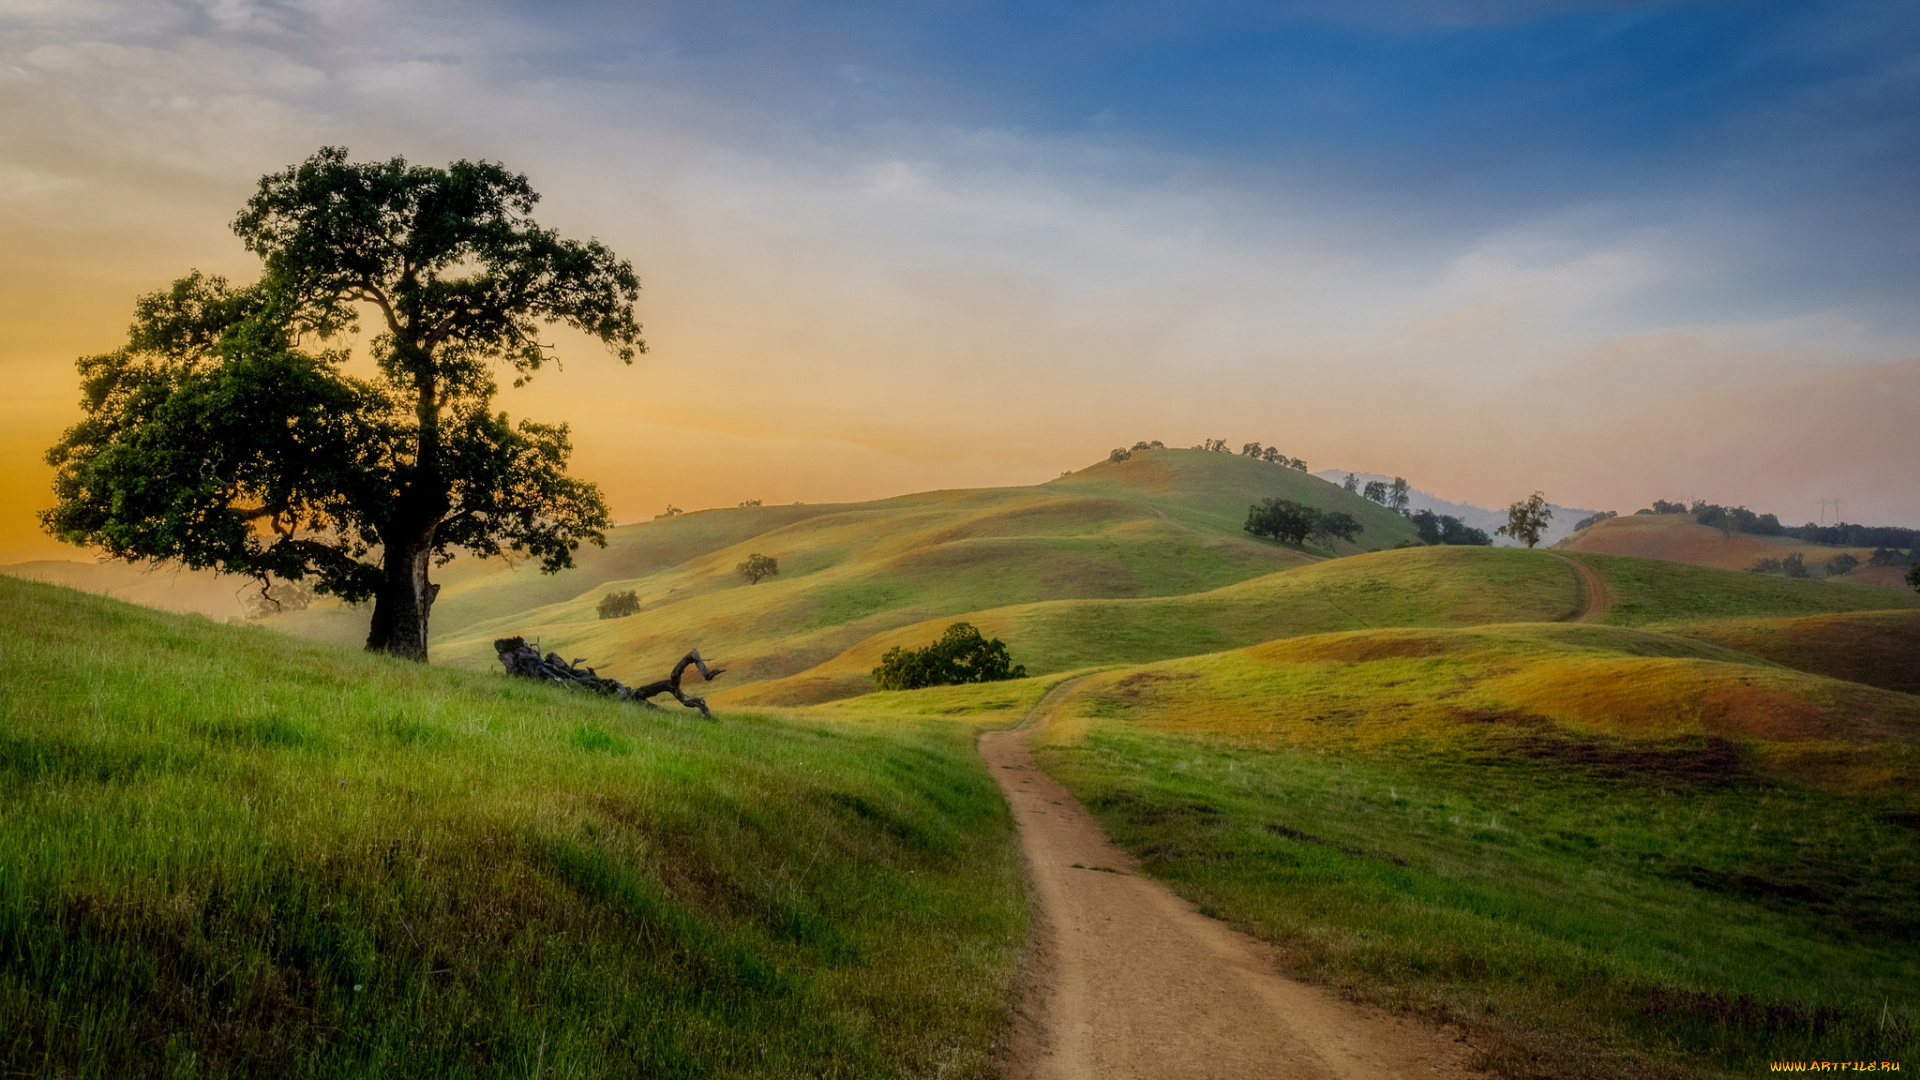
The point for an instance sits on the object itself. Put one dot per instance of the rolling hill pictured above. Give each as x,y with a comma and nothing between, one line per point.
1678,538
1164,523
1411,587
226,852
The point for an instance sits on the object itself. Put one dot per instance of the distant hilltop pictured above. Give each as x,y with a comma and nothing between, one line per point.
1480,517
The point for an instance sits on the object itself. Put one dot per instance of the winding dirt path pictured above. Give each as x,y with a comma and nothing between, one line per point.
1599,598
1125,979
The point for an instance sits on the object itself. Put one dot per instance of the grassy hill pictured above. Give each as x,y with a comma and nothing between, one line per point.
1878,648
224,852
1410,587
1166,523
1678,538
1603,851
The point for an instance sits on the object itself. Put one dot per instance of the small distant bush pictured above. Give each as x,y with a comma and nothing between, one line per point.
1843,563
749,502
1145,444
670,511
619,605
1765,566
960,656
1886,556
1119,454
758,566
1662,506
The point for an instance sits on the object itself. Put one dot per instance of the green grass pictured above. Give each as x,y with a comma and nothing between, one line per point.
1411,587
227,853
1649,591
1464,823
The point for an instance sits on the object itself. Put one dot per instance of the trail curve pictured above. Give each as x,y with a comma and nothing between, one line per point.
1126,980
1598,597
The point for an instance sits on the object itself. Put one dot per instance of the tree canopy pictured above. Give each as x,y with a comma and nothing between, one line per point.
1290,522
1527,519
960,656
227,434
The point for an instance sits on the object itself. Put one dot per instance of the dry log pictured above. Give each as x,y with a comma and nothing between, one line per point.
523,660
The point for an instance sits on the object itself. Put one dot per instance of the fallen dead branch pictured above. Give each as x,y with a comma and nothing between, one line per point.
525,661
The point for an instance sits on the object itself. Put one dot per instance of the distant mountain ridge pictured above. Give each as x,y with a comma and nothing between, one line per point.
1480,517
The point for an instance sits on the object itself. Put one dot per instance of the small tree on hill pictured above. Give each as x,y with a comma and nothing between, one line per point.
1282,520
1326,526
756,567
1527,519
1119,453
1913,577
1375,491
619,605
1351,483
1398,496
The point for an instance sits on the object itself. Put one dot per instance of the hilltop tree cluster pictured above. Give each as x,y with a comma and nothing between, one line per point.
1289,522
1396,496
1594,519
1795,565
1739,519
961,655
1254,450
1121,453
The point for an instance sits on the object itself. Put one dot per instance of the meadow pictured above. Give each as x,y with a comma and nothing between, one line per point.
228,853
1681,838
1604,852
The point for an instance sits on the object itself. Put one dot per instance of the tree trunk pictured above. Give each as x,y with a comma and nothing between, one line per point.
405,601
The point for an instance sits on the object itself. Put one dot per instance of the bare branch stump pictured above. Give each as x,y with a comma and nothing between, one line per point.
523,660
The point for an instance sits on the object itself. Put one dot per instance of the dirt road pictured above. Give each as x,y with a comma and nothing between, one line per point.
1598,598
1127,980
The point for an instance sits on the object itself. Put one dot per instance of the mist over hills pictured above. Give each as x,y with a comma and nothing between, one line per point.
1479,517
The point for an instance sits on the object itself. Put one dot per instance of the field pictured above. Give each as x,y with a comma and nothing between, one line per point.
224,852
1606,852
1114,530
1660,820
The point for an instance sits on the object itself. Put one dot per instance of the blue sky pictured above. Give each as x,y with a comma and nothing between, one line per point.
943,244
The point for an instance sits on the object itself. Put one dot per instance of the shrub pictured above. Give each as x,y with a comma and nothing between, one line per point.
758,566
960,656
1590,522
619,605
1843,563
1119,454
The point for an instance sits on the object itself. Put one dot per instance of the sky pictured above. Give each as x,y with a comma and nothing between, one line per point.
1613,251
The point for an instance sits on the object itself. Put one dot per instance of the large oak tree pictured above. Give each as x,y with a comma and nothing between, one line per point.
228,434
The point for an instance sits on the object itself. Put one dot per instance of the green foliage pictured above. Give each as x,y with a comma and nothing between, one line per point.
1594,519
960,656
1290,522
1527,519
619,605
213,437
1913,577
757,566
224,852
1447,529
1840,564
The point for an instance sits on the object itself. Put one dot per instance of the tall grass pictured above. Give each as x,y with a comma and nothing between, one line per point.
225,853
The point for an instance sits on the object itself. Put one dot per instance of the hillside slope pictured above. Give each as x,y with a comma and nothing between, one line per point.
227,852
1166,523
1410,587
1608,852
1678,538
